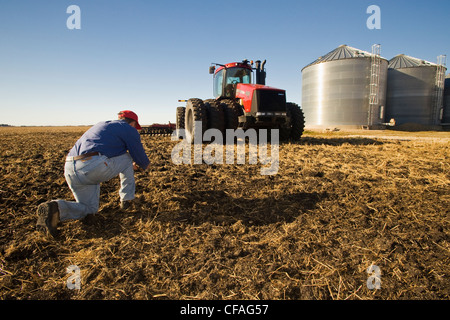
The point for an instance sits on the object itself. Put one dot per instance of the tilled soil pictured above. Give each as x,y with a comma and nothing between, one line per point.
337,206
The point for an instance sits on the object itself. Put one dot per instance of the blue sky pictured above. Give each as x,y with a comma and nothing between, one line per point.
145,55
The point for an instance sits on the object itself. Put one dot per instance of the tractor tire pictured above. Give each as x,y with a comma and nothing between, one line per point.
181,111
215,115
285,132
195,111
232,111
297,123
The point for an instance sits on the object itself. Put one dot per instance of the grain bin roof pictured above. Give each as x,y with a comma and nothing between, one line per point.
340,53
403,61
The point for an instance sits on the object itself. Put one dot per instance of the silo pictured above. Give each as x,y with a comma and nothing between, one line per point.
414,94
345,87
446,113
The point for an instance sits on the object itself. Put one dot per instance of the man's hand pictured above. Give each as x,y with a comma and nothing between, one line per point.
137,168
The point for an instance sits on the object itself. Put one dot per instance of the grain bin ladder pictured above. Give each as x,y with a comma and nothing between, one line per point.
438,109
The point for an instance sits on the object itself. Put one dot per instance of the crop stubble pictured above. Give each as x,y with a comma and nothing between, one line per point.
337,205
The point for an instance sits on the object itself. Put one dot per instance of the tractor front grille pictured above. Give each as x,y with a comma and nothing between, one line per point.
269,100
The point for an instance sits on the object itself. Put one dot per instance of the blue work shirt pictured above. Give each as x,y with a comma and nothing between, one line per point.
112,139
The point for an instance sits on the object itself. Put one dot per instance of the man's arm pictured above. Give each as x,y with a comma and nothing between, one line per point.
136,150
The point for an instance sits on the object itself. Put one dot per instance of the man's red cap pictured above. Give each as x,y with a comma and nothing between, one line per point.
130,115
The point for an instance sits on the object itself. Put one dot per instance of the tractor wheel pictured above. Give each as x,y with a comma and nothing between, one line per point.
215,115
285,132
232,111
181,111
195,111
297,123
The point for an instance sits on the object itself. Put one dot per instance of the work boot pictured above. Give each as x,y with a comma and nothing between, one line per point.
125,205
48,218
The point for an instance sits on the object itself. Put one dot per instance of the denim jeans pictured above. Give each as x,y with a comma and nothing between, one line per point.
84,178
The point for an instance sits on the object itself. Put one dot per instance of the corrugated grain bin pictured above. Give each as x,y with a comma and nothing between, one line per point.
446,114
412,91
336,89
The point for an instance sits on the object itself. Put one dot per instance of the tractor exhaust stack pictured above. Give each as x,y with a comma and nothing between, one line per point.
260,72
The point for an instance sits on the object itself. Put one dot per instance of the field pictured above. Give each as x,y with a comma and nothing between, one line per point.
340,203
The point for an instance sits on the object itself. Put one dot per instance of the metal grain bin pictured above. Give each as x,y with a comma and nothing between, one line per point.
446,113
412,91
346,87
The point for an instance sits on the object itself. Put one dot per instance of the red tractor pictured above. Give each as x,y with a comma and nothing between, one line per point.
239,103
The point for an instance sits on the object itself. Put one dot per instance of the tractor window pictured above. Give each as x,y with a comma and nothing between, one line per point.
232,76
238,75
218,83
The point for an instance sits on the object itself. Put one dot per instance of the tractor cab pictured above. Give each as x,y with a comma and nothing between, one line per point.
227,76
